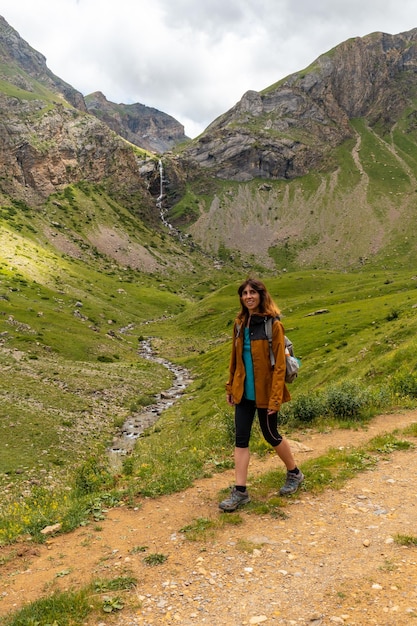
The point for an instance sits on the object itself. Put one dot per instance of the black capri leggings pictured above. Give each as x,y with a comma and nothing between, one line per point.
244,415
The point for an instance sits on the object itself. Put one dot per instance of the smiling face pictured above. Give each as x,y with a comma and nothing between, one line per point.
251,299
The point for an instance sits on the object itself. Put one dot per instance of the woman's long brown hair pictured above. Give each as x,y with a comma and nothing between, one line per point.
267,305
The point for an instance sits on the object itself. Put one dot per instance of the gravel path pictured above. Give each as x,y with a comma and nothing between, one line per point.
332,560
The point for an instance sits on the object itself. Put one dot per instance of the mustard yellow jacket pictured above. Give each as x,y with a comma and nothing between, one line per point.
270,389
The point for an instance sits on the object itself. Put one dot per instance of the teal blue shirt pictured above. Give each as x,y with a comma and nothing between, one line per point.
247,360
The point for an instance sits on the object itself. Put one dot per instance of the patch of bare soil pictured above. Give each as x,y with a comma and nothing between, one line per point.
331,560
118,246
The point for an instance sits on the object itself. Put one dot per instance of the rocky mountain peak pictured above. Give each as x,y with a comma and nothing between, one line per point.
287,129
17,53
49,139
143,126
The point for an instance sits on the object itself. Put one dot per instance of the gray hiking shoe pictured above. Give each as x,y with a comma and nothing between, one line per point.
292,483
236,499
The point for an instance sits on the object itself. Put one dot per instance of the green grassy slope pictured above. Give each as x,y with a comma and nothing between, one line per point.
57,307
71,316
367,337
358,209
82,279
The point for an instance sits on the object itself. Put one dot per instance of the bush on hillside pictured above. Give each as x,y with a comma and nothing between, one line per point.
306,408
346,400
405,385
93,477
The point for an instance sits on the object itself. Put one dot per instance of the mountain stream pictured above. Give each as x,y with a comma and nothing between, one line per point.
124,442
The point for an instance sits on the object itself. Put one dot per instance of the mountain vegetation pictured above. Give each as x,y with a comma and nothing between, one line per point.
310,184
327,157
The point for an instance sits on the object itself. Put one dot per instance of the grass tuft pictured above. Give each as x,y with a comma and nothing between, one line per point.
61,608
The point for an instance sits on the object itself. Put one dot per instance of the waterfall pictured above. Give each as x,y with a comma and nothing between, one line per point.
161,184
184,239
159,204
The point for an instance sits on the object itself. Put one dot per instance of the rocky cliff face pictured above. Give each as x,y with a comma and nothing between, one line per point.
357,202
288,129
51,147
48,139
141,125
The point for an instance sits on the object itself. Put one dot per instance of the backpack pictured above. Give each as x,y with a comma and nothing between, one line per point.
292,363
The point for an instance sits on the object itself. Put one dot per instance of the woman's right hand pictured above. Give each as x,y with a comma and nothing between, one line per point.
229,399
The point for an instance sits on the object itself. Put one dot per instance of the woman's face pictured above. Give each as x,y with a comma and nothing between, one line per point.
251,299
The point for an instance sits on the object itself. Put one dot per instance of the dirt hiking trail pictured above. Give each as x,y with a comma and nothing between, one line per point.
331,560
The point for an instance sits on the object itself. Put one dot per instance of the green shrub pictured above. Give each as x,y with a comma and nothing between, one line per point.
229,422
92,477
392,315
348,399
405,385
128,465
307,408
155,558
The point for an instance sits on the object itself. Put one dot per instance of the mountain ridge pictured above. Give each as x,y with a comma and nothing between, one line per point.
17,52
286,130
50,139
309,172
143,126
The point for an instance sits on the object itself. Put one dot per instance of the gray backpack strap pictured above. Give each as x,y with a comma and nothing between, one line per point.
289,346
292,363
268,332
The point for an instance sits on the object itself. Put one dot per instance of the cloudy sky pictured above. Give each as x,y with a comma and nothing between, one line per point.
192,59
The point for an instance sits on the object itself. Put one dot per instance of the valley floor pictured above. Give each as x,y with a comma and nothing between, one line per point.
333,559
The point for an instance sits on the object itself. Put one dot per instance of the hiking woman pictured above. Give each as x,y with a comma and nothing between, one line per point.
255,386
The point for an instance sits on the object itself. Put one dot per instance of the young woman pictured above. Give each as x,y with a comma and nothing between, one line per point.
255,386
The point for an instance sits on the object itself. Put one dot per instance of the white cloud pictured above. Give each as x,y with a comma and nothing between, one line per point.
192,59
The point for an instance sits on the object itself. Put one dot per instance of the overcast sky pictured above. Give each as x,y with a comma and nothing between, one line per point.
192,59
